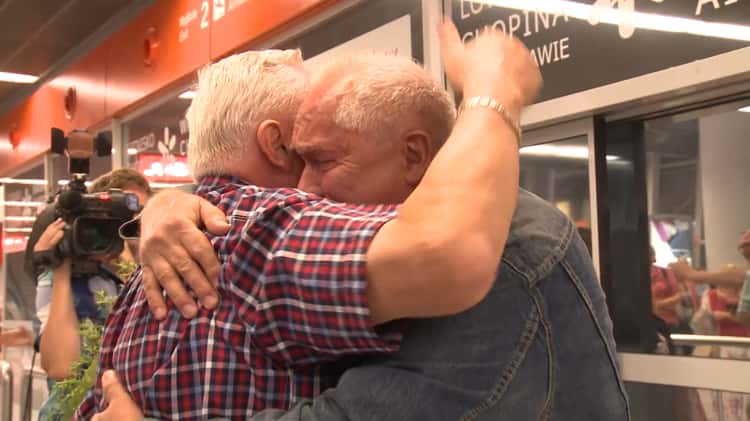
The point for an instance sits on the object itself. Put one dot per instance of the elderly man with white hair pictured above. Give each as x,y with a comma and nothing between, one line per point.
367,132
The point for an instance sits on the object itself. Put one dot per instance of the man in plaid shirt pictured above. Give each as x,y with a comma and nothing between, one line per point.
296,290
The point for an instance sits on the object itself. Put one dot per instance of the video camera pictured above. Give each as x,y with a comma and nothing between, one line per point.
92,220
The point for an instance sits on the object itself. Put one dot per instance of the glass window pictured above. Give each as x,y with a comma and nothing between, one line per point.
672,403
156,143
559,173
677,209
21,203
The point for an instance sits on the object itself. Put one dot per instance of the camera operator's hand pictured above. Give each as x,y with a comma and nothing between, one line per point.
51,236
173,248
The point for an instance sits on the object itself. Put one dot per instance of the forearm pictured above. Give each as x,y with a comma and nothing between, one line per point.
450,233
666,302
60,344
447,241
476,170
727,277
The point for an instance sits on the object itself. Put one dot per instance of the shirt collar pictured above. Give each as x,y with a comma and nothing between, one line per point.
212,182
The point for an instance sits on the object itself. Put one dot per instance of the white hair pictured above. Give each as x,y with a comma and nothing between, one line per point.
386,92
232,97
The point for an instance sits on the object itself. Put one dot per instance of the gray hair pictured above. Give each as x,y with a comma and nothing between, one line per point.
388,90
232,97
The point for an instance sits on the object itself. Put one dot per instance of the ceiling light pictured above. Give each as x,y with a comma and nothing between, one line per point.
561,151
132,151
745,109
30,181
17,78
555,151
20,204
17,229
187,95
616,16
21,218
158,185
65,183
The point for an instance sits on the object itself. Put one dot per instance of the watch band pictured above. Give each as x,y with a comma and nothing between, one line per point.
493,104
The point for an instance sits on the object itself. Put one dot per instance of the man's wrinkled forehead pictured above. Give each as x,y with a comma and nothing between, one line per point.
326,82
315,114
320,102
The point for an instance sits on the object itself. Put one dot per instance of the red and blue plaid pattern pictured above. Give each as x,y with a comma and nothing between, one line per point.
294,299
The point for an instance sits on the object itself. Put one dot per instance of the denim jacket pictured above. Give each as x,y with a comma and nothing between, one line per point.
538,347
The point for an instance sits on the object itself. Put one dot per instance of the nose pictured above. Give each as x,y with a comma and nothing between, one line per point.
308,182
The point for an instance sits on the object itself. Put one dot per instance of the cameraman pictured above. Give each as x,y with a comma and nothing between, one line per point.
64,298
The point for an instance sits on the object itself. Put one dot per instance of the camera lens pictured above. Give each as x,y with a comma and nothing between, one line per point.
96,236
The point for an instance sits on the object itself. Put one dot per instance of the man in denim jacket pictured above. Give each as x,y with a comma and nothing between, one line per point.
539,346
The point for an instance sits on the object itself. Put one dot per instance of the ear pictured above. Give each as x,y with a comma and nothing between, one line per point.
418,154
270,142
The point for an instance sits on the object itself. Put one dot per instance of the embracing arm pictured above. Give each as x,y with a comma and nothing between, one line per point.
440,255
733,276
121,407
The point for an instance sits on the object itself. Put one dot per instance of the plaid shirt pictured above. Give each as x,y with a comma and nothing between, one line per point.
294,296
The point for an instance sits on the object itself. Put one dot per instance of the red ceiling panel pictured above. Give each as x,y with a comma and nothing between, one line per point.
161,46
158,49
240,22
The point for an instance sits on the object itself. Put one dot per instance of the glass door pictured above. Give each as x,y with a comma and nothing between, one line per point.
676,255
557,165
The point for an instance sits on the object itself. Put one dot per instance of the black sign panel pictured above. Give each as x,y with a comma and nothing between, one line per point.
577,53
358,21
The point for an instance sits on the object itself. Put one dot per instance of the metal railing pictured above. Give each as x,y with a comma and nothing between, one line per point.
686,339
6,391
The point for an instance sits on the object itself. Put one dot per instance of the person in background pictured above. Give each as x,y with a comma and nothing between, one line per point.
672,303
743,306
724,301
665,293
731,276
63,299
128,180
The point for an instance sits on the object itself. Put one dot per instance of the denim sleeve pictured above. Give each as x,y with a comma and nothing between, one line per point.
323,408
